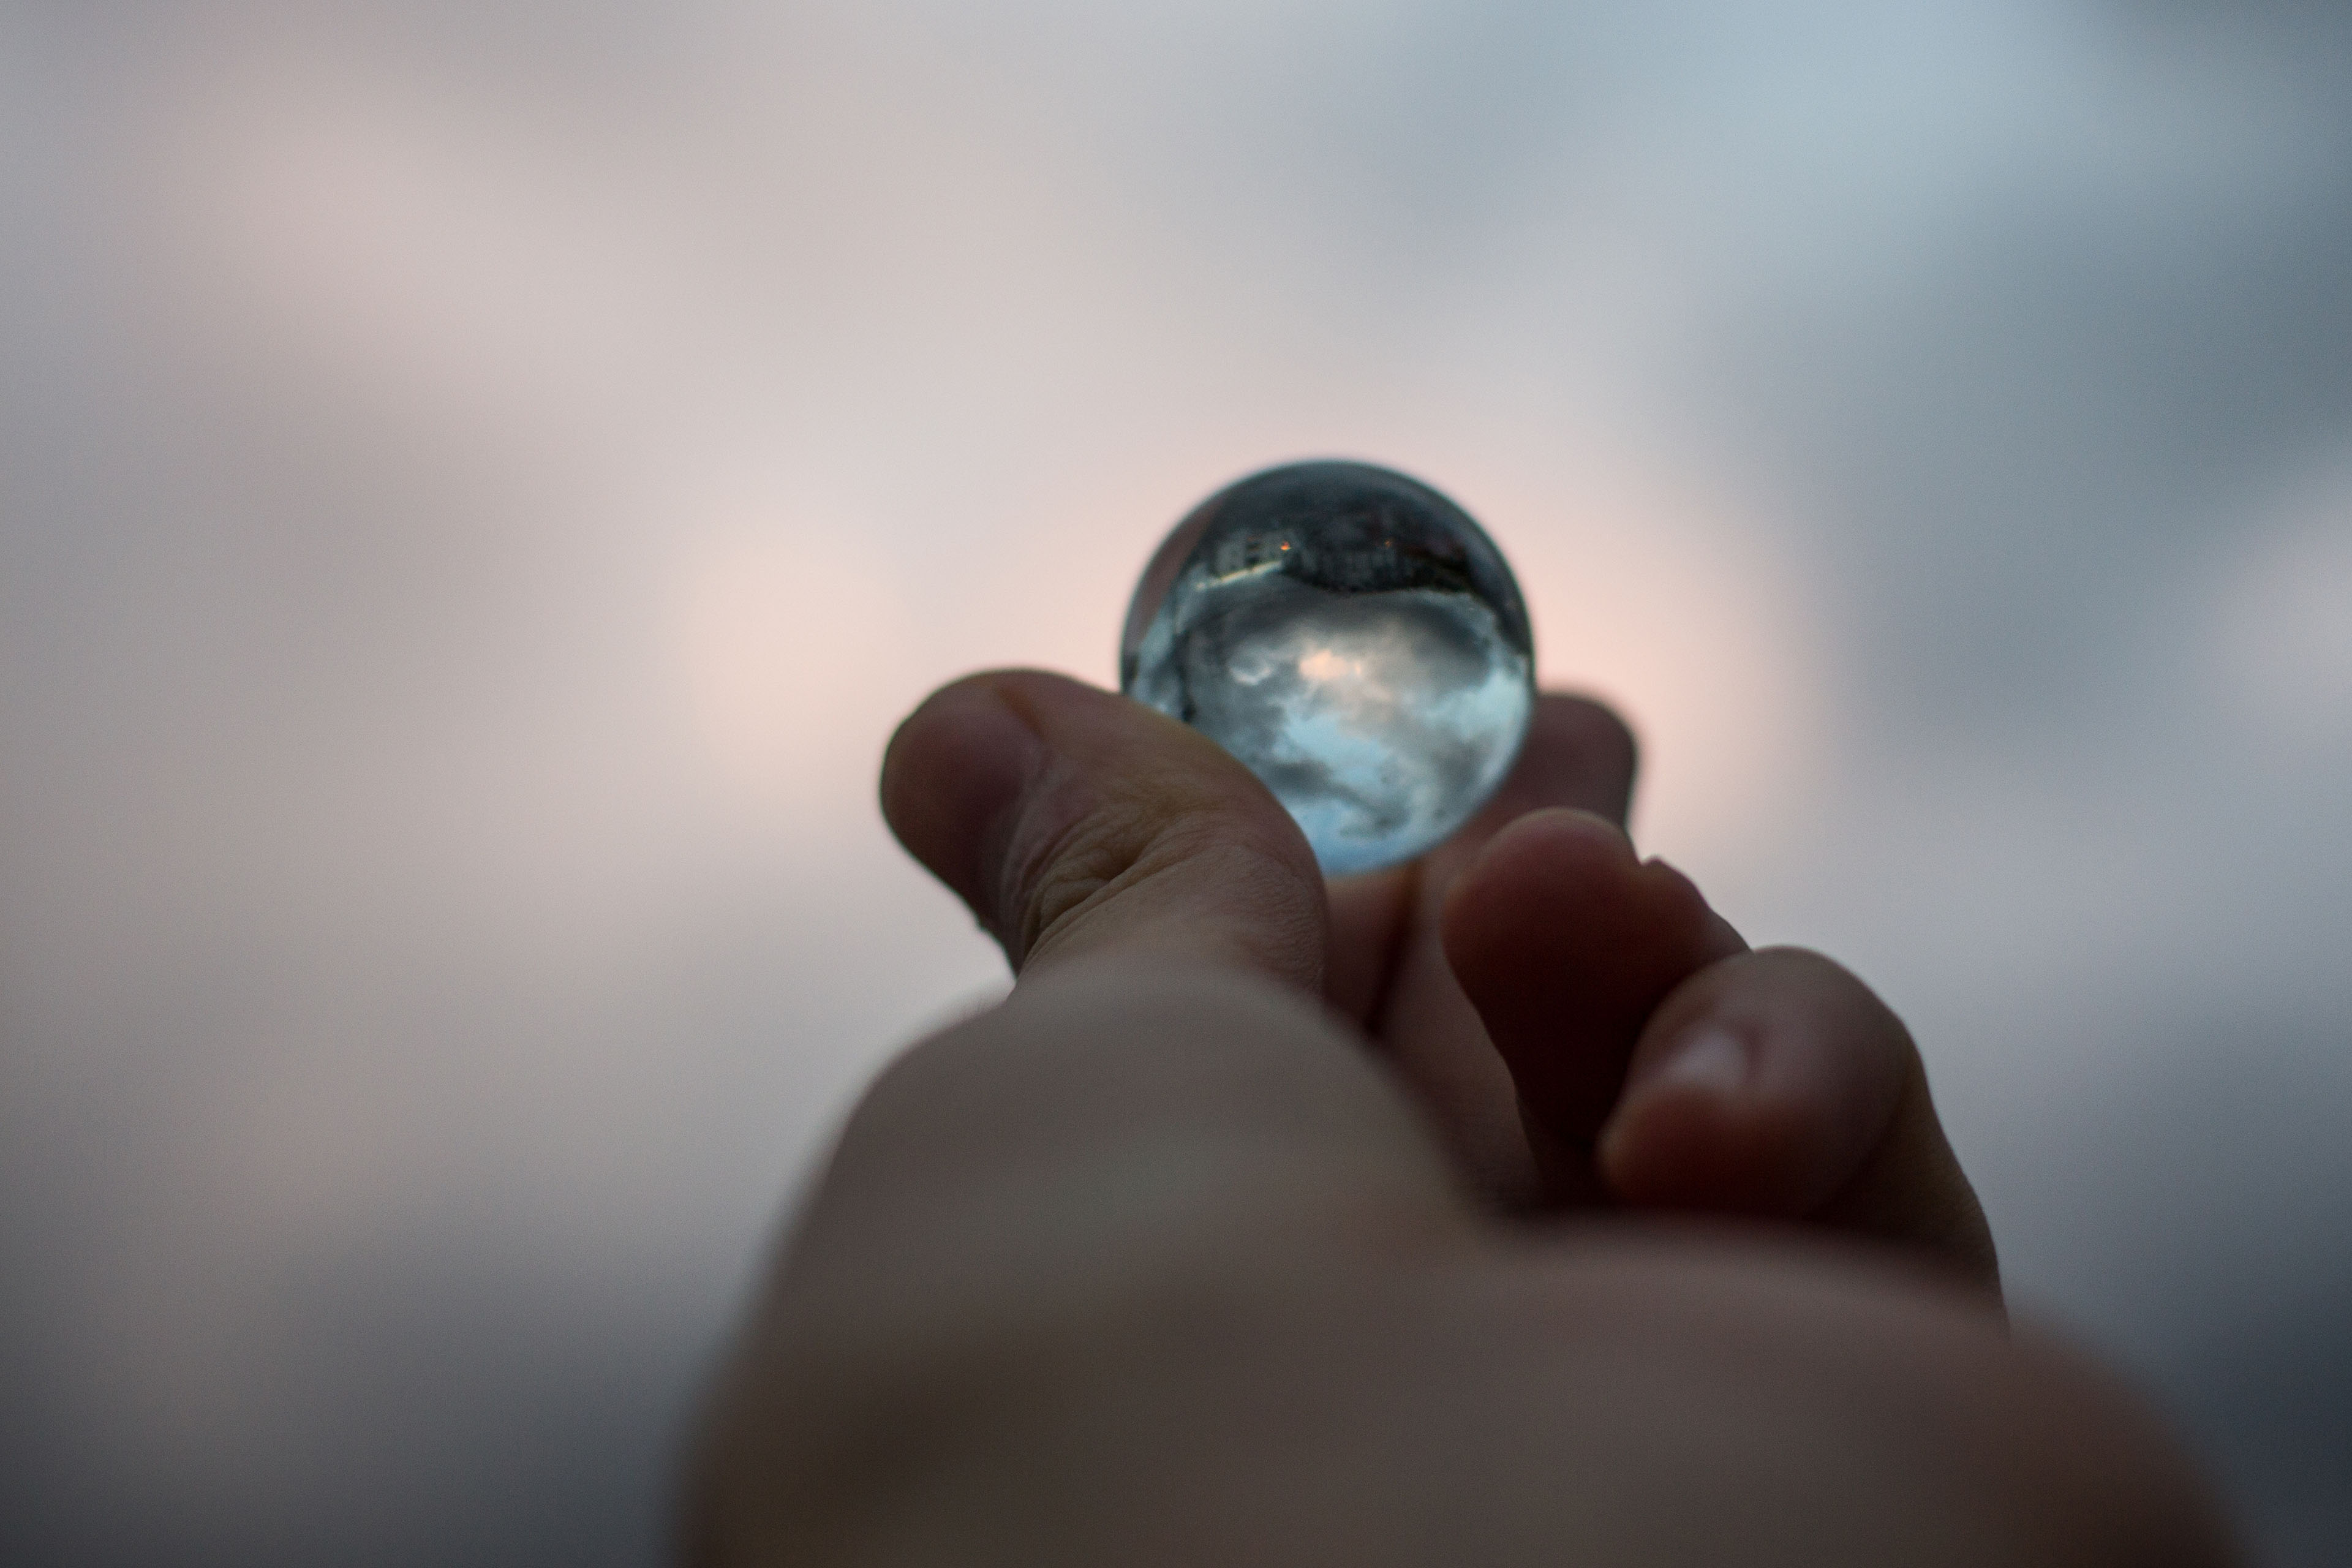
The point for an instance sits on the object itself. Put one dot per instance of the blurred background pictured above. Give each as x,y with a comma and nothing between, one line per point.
478,484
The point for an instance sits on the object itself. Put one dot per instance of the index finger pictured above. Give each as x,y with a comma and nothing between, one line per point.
1578,753
1388,968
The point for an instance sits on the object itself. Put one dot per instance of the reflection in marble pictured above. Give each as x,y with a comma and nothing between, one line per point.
1355,639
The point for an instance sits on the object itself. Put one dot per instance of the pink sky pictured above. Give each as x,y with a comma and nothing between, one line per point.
483,494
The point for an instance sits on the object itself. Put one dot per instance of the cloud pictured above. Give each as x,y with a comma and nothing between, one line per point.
451,1408
478,488
1379,719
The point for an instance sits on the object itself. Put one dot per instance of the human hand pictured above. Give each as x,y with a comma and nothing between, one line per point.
1156,1264
1582,1028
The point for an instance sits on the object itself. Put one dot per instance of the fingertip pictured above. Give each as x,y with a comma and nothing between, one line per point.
1824,1064
1697,1131
1565,941
954,774
1598,736
1540,851
1072,820
1507,907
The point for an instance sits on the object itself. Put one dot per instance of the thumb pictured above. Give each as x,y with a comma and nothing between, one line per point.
1074,822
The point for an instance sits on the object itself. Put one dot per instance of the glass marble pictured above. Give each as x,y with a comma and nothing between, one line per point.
1354,639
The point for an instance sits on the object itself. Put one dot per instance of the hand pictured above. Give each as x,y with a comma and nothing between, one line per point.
1156,1264
1582,1028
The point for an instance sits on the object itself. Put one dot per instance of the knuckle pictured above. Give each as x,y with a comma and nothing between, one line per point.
1156,852
1069,870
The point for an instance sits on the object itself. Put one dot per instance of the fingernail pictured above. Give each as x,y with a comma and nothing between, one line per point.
1713,1061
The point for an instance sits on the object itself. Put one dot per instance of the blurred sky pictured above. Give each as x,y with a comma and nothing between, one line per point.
478,485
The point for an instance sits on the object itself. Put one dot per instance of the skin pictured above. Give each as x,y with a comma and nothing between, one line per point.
1504,1209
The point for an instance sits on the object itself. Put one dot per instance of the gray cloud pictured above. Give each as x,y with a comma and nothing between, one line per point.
511,1416
391,995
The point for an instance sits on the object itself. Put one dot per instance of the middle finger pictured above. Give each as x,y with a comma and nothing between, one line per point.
1579,754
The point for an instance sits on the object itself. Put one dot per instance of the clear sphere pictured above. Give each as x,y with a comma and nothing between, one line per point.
1354,639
